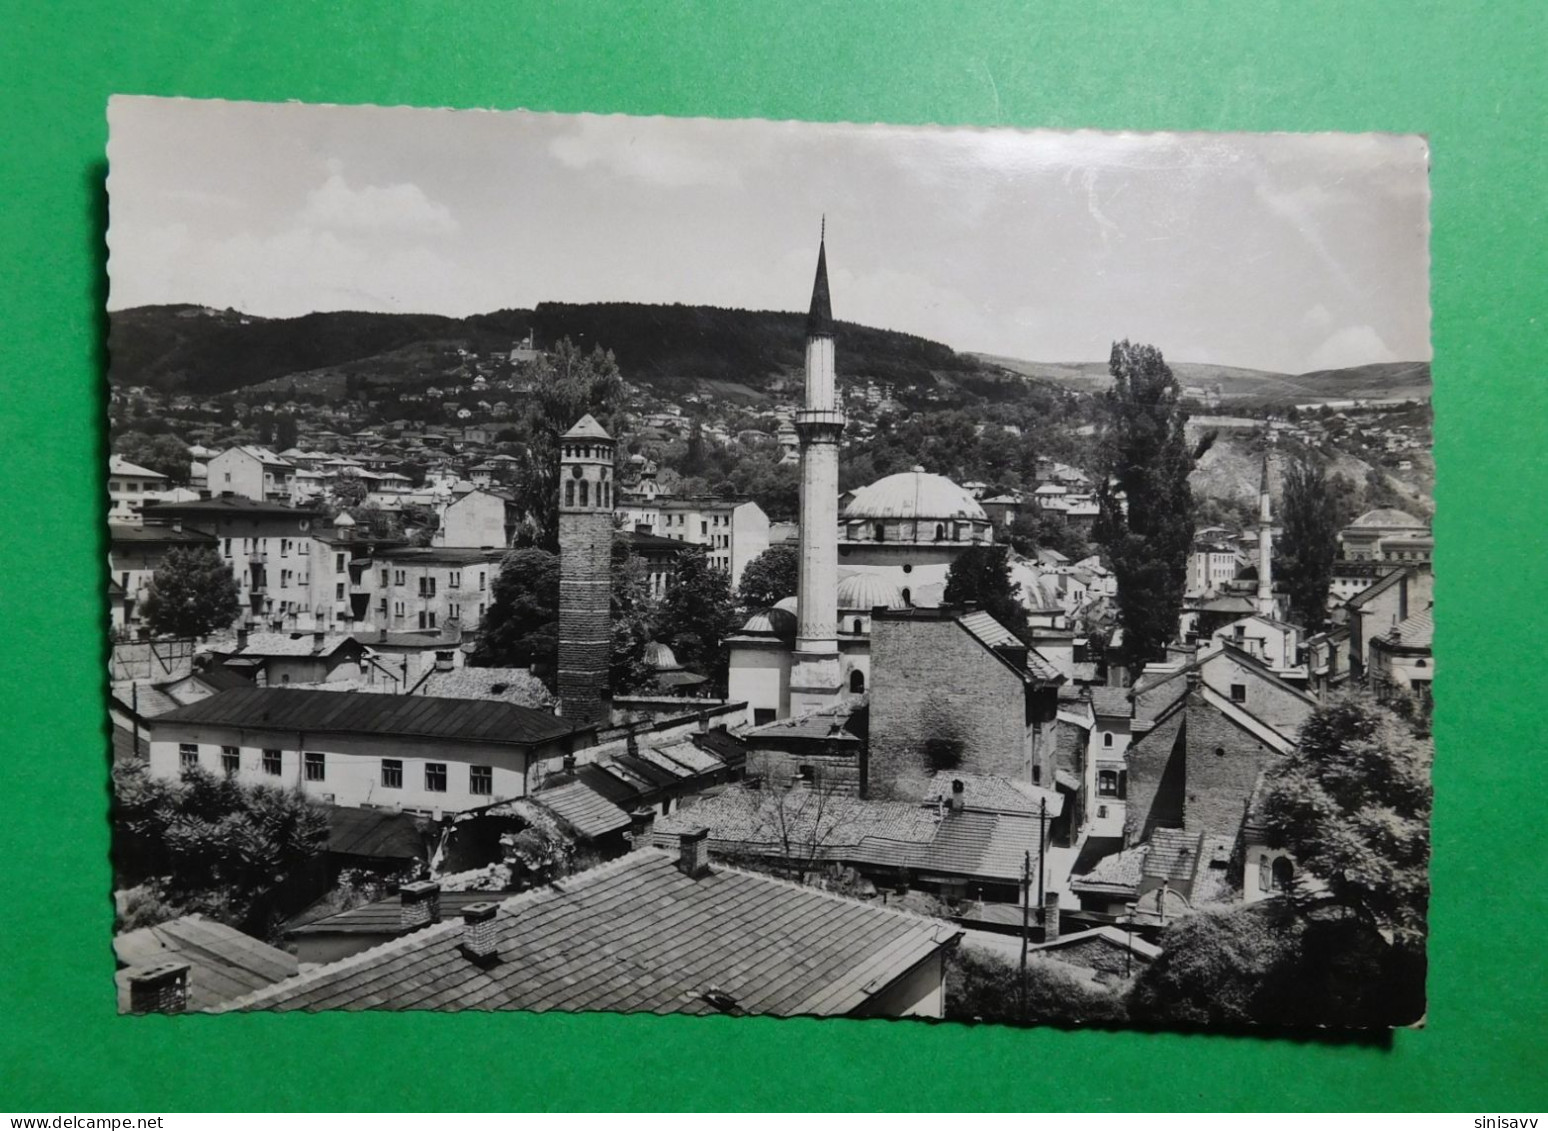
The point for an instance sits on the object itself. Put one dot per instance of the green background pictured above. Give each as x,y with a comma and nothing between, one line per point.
1469,75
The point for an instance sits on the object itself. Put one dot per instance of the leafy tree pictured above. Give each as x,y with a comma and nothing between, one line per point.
192,594
1147,533
770,577
349,491
633,613
1352,805
286,432
166,454
569,384
240,854
521,628
983,986
698,614
1309,543
981,576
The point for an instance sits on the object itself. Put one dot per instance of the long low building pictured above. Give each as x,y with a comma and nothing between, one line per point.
649,932
416,753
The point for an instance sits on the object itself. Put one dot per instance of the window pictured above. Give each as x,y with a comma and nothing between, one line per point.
338,563
435,777
481,780
397,609
1281,874
1107,783
284,547
859,626
230,759
857,681
806,774
481,577
399,577
188,755
384,579
316,768
228,547
569,492
940,532
762,715
908,597
392,773
338,591
454,579
285,677
454,611
1037,775
1107,741
1238,693
271,763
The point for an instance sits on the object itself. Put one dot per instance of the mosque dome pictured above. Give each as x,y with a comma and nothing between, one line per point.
868,591
915,494
661,658
343,519
772,622
791,605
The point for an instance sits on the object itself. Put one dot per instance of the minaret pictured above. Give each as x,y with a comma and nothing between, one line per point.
816,678
585,571
1265,600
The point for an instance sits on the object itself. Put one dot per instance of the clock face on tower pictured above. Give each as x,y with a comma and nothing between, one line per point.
576,471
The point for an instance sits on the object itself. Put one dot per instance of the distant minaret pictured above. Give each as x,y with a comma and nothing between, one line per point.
816,678
1265,600
585,571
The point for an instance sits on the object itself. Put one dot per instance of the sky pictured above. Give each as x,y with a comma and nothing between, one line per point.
1285,252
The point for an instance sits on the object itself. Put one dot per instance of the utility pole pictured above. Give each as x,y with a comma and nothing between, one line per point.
1042,865
1026,926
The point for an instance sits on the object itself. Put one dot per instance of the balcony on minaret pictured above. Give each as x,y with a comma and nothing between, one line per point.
819,418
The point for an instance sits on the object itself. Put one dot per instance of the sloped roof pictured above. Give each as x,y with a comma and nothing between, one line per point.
1111,702
1388,517
118,465
994,635
1174,855
223,962
1417,632
122,534
636,934
1123,940
585,810
994,793
354,712
379,834
501,685
587,428
385,916
1119,873
829,723
283,644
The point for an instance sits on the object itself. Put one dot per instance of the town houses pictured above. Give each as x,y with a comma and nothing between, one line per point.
879,780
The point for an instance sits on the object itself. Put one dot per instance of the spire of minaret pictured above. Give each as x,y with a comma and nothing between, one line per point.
1265,601
819,319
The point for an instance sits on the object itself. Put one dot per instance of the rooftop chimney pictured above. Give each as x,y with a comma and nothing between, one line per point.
958,795
1051,917
241,639
419,905
693,852
162,988
443,661
569,763
478,933
319,640
641,822
177,526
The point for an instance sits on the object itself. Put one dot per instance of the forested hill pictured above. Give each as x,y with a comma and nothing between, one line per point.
676,349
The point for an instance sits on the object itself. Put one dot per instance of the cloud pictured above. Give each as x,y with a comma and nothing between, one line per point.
680,157
403,209
1353,345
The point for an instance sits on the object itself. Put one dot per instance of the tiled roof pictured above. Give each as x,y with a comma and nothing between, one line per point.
1120,871
585,810
1418,631
118,465
126,748
815,825
122,534
225,504
385,916
376,833
1110,935
290,644
504,685
1387,516
997,794
994,635
830,723
438,555
637,934
1111,702
223,962
1173,855
354,712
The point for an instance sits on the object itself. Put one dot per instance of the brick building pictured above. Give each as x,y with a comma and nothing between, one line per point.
585,570
953,690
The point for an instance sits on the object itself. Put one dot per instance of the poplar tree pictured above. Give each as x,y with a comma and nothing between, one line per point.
1309,544
191,594
1146,518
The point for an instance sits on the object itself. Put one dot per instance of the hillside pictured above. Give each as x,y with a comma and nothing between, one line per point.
736,354
1247,386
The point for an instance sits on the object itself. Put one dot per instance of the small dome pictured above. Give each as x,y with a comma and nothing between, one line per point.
660,657
1388,517
914,494
343,519
867,591
772,622
790,605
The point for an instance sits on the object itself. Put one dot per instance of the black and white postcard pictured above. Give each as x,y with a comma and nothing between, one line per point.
563,562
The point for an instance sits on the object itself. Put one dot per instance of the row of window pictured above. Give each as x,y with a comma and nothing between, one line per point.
428,582
314,767
604,493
